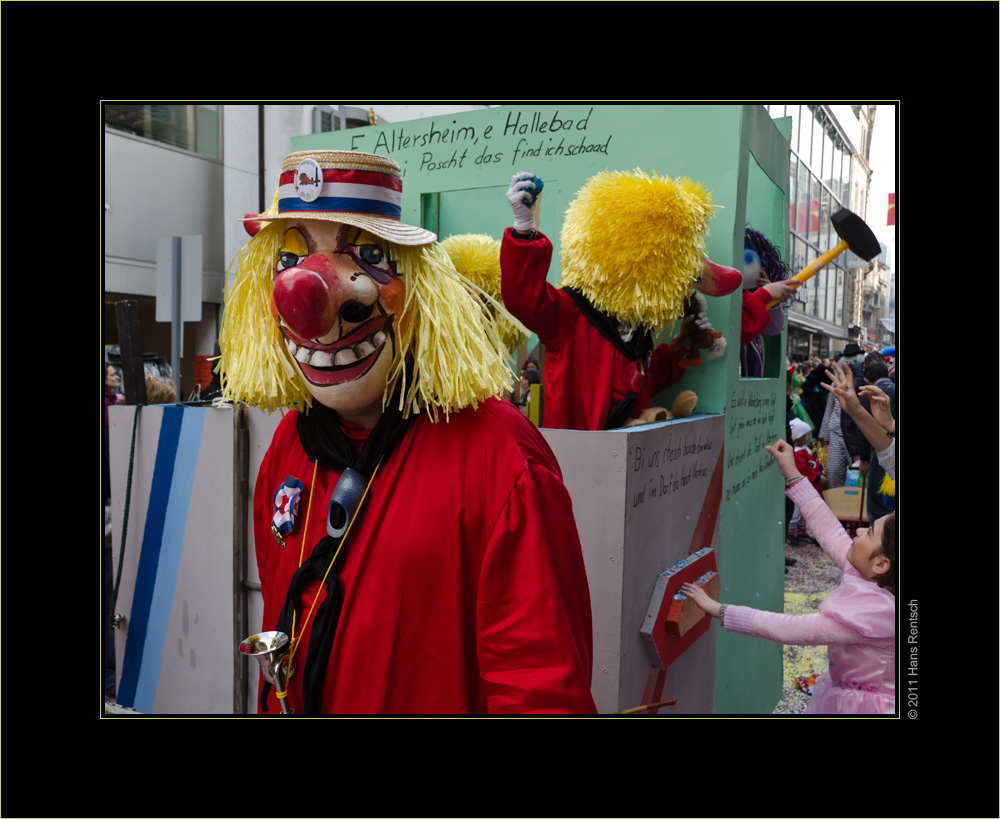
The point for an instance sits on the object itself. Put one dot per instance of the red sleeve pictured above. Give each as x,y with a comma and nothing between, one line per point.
533,621
810,473
262,514
269,478
665,368
755,314
544,309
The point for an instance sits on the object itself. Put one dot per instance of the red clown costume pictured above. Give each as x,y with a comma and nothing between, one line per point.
464,591
587,374
755,315
633,248
454,583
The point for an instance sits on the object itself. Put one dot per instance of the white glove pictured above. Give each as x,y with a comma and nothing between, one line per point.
702,323
523,190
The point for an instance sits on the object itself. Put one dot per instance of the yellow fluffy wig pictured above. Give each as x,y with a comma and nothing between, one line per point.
633,245
458,356
477,257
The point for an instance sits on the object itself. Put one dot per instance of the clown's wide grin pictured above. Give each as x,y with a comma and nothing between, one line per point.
346,359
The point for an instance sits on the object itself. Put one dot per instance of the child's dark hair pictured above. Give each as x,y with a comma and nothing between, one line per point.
875,368
887,581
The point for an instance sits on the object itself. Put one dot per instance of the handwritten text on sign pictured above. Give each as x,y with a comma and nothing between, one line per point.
524,135
665,471
751,424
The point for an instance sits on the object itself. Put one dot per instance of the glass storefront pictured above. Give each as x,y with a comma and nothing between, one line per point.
819,186
194,128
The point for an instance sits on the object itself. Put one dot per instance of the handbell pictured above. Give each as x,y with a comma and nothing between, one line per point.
271,648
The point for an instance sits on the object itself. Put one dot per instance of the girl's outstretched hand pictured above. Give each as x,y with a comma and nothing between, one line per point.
784,453
702,600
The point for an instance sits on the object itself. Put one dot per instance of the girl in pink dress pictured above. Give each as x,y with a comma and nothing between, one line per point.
857,621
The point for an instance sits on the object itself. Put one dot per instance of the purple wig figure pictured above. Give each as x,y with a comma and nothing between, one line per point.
760,256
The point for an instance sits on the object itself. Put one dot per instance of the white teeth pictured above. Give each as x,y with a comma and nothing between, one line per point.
345,357
342,358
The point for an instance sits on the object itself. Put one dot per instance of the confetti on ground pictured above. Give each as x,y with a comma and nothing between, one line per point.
810,580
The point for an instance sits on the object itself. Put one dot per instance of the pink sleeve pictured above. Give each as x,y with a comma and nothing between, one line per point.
828,531
789,629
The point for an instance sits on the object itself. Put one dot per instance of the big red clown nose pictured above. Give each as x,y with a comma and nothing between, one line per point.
304,301
718,280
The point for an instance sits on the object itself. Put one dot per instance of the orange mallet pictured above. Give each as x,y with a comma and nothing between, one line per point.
854,235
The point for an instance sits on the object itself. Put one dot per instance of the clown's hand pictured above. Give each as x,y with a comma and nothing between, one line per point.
782,291
523,192
696,331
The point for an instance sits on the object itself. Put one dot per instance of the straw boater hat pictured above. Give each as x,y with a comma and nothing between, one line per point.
357,189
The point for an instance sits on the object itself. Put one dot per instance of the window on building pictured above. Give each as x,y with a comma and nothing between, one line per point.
192,128
838,169
327,118
819,186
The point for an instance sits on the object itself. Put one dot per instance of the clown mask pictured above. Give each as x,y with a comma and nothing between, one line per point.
753,274
336,297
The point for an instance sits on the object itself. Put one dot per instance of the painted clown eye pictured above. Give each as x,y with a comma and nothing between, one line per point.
372,254
294,249
287,260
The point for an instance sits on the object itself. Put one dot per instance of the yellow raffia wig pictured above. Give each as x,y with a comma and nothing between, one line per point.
477,257
455,346
633,245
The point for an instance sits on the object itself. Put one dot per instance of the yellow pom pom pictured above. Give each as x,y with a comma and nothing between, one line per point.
633,244
477,257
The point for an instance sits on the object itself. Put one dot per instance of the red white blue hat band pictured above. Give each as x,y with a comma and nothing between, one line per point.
344,191
364,190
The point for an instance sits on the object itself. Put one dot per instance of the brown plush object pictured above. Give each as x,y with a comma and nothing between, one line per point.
692,339
682,407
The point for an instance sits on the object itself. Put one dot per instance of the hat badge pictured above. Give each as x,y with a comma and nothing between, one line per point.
308,180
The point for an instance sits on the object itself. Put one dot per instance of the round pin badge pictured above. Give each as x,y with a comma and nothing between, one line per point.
308,180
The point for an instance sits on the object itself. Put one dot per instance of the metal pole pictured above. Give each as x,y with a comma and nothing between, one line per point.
241,502
176,325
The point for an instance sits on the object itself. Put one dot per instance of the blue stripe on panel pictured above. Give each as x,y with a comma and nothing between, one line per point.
173,481
149,555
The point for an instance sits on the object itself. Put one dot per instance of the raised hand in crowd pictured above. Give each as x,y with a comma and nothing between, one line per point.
880,407
842,387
